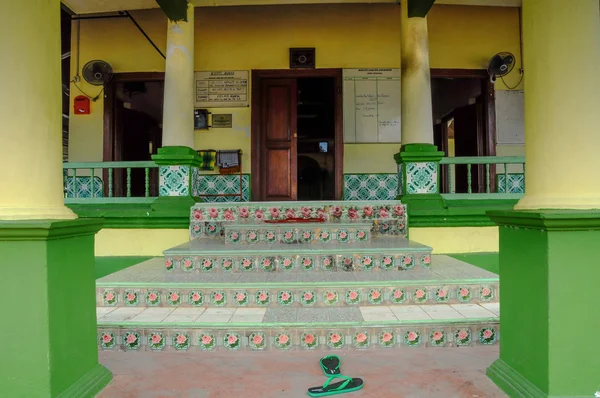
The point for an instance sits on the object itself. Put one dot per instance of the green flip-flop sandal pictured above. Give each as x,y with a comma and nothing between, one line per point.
348,385
330,365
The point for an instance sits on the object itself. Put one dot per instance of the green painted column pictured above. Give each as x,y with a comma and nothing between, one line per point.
549,313
179,177
49,312
419,176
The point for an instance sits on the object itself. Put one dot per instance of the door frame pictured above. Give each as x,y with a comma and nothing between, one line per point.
109,140
487,145
256,133
111,151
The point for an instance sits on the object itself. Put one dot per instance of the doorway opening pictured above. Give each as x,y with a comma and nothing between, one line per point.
133,129
316,138
464,125
297,143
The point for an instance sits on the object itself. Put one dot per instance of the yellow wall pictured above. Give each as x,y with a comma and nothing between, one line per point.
457,239
152,242
245,38
138,242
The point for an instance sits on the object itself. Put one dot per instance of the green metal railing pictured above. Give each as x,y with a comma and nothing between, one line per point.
480,177
110,182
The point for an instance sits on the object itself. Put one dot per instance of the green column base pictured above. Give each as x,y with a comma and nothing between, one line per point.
50,336
419,177
549,313
178,167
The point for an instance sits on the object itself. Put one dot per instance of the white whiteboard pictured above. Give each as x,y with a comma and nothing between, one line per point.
510,117
371,105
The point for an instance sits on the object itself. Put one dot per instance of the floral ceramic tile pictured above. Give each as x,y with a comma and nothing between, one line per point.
285,297
353,296
207,341
309,340
487,336
181,341
283,341
412,338
131,340
397,296
335,339
486,293
464,294
131,298
386,338
437,338
257,341
308,297
462,337
156,341
240,298
196,298
174,298
361,339
231,341
108,340
110,297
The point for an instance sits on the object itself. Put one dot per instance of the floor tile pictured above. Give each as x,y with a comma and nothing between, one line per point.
184,315
102,311
122,314
437,308
492,307
153,315
375,309
281,315
409,312
345,314
248,315
309,315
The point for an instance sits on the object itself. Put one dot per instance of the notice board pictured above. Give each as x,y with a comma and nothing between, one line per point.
371,99
221,89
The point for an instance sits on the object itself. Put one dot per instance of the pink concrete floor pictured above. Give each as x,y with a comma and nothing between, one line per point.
427,373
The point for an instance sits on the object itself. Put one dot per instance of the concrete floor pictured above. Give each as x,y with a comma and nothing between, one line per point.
398,373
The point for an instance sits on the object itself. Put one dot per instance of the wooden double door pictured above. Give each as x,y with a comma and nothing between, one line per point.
275,135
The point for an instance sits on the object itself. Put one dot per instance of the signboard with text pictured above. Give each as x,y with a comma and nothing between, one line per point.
221,89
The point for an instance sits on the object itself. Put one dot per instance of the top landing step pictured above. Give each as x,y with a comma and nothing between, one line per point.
392,212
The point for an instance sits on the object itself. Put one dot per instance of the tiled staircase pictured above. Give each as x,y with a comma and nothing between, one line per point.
245,283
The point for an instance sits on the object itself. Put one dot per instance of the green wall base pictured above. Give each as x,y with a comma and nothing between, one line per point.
419,202
48,279
173,206
549,313
90,384
515,385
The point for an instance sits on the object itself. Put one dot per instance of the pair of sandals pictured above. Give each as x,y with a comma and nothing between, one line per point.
331,367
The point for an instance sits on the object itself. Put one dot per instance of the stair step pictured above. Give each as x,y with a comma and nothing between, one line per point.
296,233
297,328
446,281
391,214
216,255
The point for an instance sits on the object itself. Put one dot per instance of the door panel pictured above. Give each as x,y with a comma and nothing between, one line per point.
278,139
278,173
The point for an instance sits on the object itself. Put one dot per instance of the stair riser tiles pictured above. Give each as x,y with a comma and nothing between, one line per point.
376,211
319,338
283,261
219,230
298,296
290,234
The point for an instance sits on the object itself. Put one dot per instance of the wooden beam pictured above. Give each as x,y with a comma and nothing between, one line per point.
419,8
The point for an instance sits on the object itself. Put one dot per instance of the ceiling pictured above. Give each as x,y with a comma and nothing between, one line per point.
98,6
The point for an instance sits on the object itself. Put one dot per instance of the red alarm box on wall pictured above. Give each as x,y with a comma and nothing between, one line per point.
81,105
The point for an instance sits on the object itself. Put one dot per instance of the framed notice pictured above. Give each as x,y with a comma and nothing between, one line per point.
221,89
